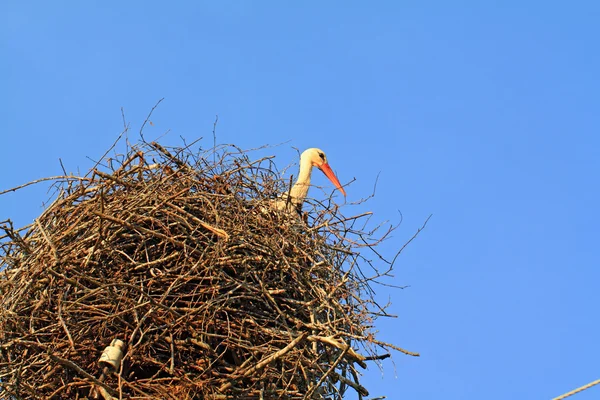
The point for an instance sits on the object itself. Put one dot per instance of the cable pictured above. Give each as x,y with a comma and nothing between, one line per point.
580,389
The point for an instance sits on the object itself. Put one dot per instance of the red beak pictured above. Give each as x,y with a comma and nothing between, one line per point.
329,173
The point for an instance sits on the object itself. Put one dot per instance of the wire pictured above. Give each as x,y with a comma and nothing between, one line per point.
580,389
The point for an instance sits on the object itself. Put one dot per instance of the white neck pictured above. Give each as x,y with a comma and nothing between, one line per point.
300,188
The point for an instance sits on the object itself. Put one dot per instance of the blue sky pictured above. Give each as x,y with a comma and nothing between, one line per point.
484,114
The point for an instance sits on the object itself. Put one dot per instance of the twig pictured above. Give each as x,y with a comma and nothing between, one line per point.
50,178
148,118
71,365
265,361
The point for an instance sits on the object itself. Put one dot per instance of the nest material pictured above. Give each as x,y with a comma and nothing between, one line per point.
179,256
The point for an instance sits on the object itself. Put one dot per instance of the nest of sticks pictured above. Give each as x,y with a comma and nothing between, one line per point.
164,274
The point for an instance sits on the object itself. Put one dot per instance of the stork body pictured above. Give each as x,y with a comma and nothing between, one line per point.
310,158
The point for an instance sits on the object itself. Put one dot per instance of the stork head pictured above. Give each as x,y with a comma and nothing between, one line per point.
317,158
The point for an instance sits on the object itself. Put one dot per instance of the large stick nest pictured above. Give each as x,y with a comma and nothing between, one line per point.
213,294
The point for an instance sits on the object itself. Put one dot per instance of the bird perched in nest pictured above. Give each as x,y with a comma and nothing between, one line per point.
292,201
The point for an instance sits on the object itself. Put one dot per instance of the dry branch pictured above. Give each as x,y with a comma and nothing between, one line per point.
177,255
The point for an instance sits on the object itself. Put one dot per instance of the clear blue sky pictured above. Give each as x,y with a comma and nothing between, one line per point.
485,114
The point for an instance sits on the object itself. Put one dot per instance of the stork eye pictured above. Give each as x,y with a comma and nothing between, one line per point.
322,156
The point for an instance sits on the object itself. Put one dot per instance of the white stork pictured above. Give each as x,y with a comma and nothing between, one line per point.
310,158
